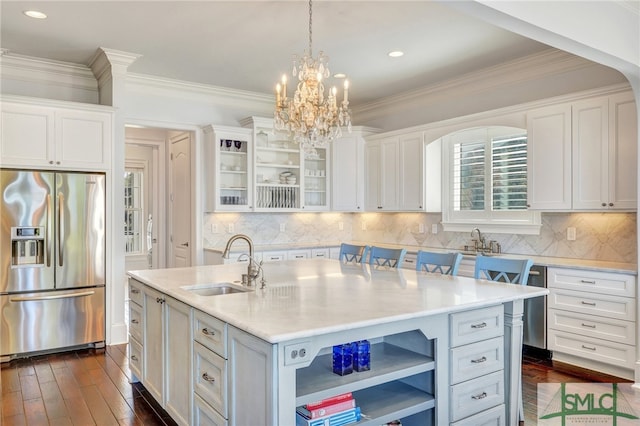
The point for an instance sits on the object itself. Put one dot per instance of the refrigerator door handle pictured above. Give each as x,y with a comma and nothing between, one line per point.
60,227
51,297
49,230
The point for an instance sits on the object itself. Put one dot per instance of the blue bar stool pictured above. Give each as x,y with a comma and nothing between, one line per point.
442,263
350,253
391,258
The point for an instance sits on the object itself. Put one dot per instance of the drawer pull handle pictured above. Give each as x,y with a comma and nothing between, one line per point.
483,395
588,281
479,360
589,325
481,325
208,378
588,347
208,332
134,358
134,321
588,303
135,291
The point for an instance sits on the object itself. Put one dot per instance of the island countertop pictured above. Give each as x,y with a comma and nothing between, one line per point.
305,298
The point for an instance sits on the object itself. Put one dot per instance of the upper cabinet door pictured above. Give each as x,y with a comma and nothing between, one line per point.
26,136
52,137
348,174
590,133
549,158
623,152
411,172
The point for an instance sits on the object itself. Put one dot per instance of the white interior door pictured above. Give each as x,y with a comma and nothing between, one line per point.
180,201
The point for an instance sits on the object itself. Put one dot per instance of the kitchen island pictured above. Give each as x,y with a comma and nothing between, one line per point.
444,350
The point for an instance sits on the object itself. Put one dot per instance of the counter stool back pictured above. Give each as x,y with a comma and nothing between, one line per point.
350,253
442,263
513,271
392,258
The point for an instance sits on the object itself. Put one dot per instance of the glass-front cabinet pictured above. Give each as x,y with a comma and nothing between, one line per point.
228,168
316,180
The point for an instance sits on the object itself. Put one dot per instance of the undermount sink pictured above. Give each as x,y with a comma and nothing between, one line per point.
215,289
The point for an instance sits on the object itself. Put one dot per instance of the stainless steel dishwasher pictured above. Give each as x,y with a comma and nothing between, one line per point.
535,311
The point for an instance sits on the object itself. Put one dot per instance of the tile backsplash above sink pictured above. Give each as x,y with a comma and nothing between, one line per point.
599,236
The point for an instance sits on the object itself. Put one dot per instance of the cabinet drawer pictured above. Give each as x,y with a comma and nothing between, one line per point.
593,326
476,359
594,349
473,326
210,377
493,417
135,357
593,304
135,291
135,321
322,253
592,282
298,254
274,256
204,415
476,395
210,332
410,260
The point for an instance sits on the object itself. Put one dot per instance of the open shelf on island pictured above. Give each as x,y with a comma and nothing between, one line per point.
388,363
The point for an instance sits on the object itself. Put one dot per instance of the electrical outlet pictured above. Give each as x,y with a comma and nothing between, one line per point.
341,226
421,228
434,228
231,228
571,233
297,353
363,226
214,228
283,227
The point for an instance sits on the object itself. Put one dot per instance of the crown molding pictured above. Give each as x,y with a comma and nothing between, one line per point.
108,62
144,83
36,70
532,67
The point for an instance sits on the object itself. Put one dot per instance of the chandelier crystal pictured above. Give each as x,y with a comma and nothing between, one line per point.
311,117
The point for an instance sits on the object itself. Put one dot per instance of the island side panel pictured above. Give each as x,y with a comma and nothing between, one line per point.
513,331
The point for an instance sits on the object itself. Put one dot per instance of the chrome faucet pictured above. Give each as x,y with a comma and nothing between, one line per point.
480,240
253,270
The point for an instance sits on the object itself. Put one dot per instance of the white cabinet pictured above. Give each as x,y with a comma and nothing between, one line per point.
229,168
209,370
549,158
477,363
382,175
317,187
583,155
347,173
592,319
55,136
166,351
403,174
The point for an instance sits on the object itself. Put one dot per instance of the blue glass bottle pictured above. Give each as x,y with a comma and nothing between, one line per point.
342,359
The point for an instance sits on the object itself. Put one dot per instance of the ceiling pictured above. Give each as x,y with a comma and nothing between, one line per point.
248,45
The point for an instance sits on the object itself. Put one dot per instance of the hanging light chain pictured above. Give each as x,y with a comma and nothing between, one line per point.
310,29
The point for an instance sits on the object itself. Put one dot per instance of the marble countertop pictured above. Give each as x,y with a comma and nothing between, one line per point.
305,298
558,262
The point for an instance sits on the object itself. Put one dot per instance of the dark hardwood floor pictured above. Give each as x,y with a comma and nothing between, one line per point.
92,387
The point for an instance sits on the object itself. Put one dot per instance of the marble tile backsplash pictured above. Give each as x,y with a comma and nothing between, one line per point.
599,236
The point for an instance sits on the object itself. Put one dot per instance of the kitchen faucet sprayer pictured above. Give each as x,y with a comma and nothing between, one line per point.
253,270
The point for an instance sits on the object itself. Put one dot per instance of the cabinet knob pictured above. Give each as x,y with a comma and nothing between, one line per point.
610,204
57,162
208,332
604,204
379,207
51,162
134,358
528,205
134,321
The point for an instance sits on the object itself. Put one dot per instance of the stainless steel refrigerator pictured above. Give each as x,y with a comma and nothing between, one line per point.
52,261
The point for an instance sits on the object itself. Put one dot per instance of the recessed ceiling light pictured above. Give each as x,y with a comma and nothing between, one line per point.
340,75
396,53
35,14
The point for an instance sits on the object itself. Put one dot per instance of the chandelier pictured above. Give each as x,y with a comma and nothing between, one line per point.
313,118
